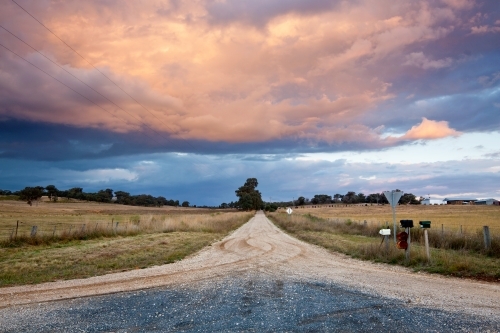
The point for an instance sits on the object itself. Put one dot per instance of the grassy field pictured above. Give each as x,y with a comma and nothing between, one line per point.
452,217
144,237
452,253
66,216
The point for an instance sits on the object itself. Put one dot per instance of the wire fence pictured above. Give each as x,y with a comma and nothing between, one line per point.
22,230
449,236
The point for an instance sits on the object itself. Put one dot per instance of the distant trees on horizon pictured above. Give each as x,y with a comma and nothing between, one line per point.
32,194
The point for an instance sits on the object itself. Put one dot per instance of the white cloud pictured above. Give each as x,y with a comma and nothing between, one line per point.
101,175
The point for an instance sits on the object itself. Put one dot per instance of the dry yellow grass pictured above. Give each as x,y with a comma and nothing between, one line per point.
471,218
75,216
144,237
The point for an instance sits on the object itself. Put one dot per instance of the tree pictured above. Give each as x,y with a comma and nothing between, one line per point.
350,197
249,197
52,192
409,198
30,194
185,204
321,199
301,201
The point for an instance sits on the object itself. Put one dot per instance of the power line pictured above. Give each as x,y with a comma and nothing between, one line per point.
64,69
88,99
187,142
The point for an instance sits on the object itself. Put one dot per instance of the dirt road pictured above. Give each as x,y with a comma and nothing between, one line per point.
261,249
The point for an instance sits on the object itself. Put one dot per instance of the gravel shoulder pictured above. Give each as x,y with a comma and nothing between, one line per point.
262,250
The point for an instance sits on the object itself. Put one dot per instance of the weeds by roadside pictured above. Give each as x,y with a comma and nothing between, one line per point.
452,254
157,240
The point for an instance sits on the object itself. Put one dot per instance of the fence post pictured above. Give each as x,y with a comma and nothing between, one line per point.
54,232
461,233
365,224
17,227
83,229
442,230
487,238
34,230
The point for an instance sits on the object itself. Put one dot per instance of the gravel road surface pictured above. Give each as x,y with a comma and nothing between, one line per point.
257,279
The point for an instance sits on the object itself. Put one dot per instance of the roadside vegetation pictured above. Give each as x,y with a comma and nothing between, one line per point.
142,238
452,253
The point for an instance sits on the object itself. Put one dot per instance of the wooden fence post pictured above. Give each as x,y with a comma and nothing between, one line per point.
487,238
427,251
17,227
54,232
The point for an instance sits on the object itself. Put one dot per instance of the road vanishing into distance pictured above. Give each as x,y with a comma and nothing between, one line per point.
258,279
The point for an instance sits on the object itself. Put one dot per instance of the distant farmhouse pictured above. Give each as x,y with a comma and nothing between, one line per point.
488,202
460,201
429,201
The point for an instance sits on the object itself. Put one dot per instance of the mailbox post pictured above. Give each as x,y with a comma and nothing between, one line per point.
385,233
407,224
393,198
426,225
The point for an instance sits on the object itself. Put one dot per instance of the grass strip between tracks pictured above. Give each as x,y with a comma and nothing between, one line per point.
360,242
77,258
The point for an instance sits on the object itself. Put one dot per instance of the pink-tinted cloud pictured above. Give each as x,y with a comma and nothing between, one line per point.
231,71
429,130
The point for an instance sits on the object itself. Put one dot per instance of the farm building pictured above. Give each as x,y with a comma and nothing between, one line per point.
488,202
429,201
460,201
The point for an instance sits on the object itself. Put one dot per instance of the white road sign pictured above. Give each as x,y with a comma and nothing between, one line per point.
289,211
393,197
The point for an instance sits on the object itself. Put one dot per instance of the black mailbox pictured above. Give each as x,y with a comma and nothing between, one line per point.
406,223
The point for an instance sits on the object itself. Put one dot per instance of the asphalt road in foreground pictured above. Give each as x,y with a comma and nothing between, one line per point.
256,280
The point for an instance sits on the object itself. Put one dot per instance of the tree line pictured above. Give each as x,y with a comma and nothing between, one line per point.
32,194
352,197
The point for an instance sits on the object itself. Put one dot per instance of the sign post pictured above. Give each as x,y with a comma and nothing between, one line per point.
289,211
393,198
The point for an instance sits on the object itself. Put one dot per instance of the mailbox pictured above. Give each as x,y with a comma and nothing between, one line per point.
385,232
402,240
406,223
425,224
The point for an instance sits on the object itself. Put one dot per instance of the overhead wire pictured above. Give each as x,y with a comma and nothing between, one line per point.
97,92
76,52
64,84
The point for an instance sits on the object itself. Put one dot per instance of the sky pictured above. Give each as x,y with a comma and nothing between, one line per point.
188,99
